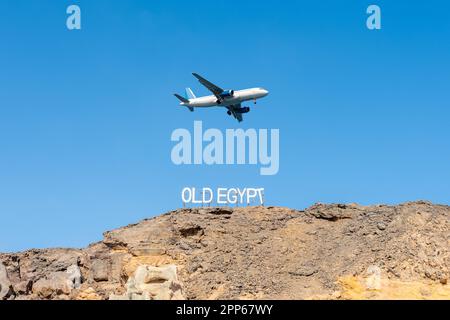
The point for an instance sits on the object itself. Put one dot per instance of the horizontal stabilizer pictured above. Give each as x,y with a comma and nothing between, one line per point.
182,99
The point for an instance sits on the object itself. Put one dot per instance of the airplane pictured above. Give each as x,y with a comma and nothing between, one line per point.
230,99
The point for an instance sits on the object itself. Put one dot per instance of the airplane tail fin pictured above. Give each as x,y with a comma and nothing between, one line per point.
190,94
184,100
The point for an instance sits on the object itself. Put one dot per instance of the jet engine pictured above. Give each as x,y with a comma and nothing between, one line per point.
227,94
243,110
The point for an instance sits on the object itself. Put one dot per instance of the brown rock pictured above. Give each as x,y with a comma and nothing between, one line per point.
23,287
267,253
53,285
100,270
6,288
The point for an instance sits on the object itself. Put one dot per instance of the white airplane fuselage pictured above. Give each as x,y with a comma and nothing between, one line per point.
238,97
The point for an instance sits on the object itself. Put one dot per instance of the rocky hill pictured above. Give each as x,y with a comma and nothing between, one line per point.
324,252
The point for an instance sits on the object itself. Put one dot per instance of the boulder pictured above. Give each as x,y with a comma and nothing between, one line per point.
332,212
6,289
23,287
373,279
100,270
74,276
149,274
88,294
153,283
55,284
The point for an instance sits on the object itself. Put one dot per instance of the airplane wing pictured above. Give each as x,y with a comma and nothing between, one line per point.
210,86
236,115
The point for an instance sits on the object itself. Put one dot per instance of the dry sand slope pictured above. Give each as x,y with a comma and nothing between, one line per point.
324,252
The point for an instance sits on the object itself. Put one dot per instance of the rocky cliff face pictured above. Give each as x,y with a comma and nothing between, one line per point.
324,252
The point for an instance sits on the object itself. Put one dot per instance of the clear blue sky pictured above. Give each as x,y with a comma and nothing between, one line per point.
86,116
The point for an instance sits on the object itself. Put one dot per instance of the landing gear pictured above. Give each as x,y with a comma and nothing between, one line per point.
254,101
229,112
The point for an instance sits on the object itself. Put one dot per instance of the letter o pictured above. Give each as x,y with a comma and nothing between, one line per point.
183,193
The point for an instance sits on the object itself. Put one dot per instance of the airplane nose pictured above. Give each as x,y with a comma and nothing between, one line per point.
265,92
